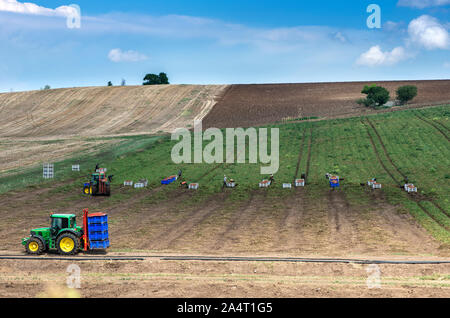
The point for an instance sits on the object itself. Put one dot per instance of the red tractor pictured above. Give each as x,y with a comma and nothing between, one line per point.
100,184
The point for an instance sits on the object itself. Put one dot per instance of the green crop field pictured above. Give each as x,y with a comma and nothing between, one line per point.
389,146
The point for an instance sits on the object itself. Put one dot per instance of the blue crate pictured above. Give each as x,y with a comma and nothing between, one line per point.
99,236
169,180
99,244
97,219
98,227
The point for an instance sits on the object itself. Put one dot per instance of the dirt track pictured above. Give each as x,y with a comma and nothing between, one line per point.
253,105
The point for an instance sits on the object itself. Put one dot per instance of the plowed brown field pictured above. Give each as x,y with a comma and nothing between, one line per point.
253,105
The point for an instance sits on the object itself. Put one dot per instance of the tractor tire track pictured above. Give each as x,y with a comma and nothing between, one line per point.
384,148
394,165
300,155
393,178
237,220
183,227
187,222
243,224
308,162
440,208
378,155
432,125
447,228
341,220
442,125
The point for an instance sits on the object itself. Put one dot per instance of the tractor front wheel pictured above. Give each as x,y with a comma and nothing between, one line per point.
35,246
68,244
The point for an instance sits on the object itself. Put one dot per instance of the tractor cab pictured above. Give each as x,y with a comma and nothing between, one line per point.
62,221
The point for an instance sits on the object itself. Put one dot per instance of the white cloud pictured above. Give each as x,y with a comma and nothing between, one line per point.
31,8
117,55
447,64
376,57
421,4
426,31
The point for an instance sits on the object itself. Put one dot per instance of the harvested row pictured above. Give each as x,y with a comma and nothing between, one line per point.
422,207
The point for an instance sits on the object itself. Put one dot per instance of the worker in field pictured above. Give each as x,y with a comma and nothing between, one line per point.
180,173
225,180
272,179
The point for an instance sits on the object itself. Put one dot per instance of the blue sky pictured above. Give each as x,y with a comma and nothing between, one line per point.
214,42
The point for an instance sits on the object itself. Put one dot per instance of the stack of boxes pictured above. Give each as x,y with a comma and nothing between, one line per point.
98,230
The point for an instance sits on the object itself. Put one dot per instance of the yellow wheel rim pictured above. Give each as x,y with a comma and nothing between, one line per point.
33,246
67,245
86,190
90,190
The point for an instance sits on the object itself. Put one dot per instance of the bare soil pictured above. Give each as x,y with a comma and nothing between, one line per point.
295,226
157,279
104,111
254,105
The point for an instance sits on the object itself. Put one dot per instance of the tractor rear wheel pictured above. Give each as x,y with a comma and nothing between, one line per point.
87,190
35,246
68,244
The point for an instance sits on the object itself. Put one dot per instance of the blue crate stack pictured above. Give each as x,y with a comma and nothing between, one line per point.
98,231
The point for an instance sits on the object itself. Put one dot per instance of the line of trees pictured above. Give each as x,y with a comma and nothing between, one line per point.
150,79
378,96
153,79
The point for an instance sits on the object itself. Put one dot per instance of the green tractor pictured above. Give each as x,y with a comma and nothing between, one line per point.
99,184
66,237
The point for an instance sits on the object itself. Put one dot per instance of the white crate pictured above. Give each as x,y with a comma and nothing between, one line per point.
194,186
300,183
48,171
411,189
128,183
139,185
376,185
144,182
76,168
264,184
231,184
287,185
